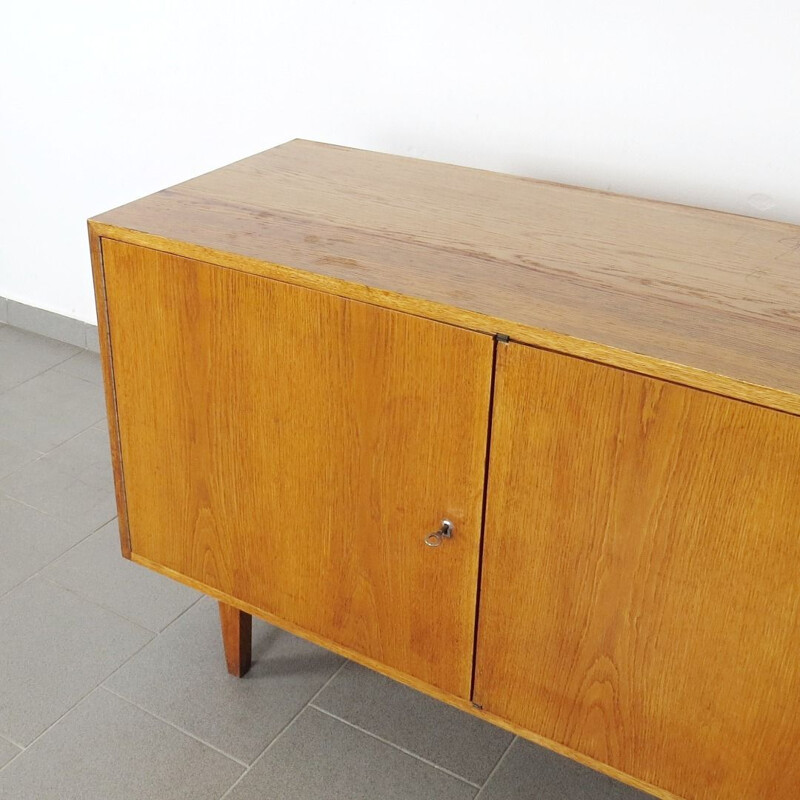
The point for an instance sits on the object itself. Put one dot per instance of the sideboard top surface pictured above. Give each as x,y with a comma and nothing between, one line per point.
697,296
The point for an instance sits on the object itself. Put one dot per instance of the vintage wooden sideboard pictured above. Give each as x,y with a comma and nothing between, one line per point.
529,448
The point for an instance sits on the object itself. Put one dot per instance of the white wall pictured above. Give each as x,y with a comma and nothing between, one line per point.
101,102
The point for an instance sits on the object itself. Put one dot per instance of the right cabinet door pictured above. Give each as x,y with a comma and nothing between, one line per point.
640,597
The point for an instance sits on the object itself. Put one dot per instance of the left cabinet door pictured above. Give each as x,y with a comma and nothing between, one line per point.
291,449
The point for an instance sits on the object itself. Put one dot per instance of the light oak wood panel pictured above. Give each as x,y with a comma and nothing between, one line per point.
761,394
98,277
640,600
292,450
686,294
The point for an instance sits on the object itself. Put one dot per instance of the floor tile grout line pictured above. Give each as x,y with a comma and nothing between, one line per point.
90,427
52,516
36,461
4,738
173,621
150,641
41,510
55,722
42,569
82,596
20,751
40,454
46,369
20,747
398,747
70,438
22,467
100,685
326,684
307,705
59,556
496,767
79,377
174,725
282,731
238,780
24,748
74,435
155,635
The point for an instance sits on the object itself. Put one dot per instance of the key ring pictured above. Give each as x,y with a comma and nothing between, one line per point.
445,532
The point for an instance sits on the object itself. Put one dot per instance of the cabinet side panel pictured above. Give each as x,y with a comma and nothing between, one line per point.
98,276
641,585
292,449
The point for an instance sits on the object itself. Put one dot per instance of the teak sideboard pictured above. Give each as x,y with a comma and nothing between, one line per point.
529,448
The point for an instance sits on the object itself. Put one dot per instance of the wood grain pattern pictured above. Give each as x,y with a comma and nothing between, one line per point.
237,639
708,299
640,601
98,276
292,449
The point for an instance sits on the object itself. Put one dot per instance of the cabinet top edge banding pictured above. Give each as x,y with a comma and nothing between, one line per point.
697,297
547,340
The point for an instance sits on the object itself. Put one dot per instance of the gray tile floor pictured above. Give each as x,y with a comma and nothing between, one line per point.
112,679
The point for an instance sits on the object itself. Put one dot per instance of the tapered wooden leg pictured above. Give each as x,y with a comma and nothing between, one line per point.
237,630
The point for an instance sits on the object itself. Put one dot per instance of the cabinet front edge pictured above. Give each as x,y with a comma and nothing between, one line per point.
694,377
106,360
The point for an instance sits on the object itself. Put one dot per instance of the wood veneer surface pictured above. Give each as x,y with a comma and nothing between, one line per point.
293,449
691,295
640,599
